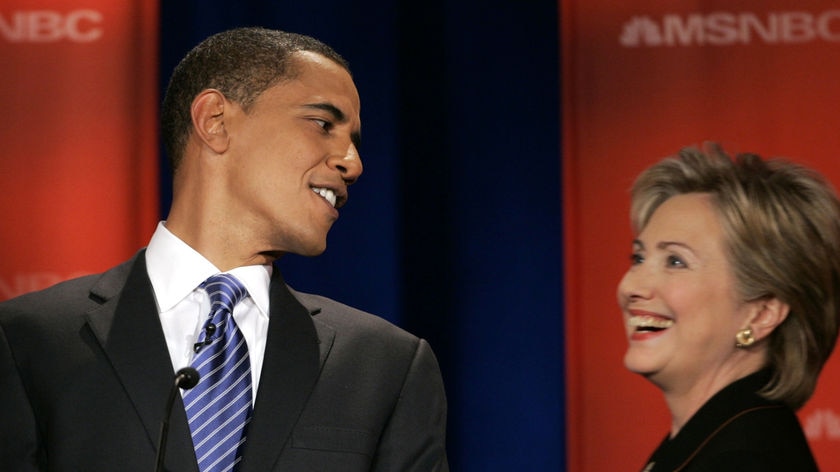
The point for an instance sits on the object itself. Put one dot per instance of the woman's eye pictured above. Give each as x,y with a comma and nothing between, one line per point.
636,258
674,261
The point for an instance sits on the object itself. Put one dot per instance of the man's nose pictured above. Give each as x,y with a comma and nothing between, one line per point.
349,164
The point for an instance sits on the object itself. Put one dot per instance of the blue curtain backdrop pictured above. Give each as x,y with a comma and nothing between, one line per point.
453,232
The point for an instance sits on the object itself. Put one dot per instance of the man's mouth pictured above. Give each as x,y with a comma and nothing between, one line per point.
649,323
327,194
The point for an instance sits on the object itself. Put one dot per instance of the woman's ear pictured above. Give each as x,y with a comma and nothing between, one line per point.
769,313
208,119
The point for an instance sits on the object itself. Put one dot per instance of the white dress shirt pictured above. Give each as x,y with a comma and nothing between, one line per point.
176,271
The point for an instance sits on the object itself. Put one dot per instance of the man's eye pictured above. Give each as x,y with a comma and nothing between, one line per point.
326,125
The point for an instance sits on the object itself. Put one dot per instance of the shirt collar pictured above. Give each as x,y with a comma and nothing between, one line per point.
176,270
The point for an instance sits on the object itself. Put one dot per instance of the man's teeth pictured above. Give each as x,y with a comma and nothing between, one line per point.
650,322
328,194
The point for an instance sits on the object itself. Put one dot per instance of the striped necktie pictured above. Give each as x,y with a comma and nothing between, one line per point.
219,407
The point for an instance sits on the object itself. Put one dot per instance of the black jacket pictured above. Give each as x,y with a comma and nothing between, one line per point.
737,430
85,374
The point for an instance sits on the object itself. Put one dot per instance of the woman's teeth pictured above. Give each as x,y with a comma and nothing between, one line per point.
650,322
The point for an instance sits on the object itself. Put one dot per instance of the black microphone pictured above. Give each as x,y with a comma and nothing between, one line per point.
185,378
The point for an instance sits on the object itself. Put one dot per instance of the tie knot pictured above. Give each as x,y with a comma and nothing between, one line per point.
225,291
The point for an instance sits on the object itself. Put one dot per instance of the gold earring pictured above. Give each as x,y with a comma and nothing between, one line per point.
744,338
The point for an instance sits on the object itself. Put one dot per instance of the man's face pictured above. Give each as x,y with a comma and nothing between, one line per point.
294,154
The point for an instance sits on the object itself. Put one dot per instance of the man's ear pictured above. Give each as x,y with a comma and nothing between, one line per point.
208,119
768,315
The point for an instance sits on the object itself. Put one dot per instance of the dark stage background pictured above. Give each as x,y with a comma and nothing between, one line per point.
453,232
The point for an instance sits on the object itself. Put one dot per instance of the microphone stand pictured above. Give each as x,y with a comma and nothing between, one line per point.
186,378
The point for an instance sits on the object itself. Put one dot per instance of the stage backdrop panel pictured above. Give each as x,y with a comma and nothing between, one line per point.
641,80
79,137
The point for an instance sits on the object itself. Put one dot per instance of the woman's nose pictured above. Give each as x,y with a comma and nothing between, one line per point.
634,285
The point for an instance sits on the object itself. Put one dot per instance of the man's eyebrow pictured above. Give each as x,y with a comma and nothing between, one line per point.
339,116
333,110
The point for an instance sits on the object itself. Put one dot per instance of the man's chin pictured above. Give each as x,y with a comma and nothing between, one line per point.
312,251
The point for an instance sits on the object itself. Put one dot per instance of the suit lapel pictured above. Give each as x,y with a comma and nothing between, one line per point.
128,329
293,358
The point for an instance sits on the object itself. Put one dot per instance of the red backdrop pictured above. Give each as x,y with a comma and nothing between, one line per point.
641,80
79,141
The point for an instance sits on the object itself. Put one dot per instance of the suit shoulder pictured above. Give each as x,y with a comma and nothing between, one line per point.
50,298
74,295
367,349
352,321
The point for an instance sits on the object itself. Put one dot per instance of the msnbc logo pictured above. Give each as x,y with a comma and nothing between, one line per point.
728,29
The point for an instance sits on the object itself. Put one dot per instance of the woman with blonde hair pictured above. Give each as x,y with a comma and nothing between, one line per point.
731,305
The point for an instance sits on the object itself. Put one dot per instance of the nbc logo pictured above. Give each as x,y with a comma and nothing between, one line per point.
20,283
822,424
49,26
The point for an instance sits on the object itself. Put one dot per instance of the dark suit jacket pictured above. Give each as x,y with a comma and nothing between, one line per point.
737,431
85,375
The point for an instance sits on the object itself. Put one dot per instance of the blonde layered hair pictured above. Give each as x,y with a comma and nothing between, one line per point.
782,228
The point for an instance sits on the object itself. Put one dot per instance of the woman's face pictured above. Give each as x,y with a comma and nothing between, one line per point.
680,307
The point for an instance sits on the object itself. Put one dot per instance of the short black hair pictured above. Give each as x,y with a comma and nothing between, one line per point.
240,63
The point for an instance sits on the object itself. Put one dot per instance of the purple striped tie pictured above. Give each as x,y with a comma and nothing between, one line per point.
219,407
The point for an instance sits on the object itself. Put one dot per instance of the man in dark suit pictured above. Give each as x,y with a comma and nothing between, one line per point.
262,128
